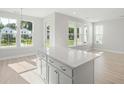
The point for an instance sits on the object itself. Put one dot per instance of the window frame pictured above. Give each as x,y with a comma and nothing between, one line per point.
85,34
81,28
18,34
45,35
14,46
31,45
98,35
80,36
74,44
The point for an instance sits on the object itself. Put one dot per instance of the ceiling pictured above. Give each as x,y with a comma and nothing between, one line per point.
89,14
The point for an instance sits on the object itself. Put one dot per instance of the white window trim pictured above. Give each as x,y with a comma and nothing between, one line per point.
77,25
18,35
31,45
75,40
98,45
15,46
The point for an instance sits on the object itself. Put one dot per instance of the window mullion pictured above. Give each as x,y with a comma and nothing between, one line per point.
18,37
0,34
75,36
0,39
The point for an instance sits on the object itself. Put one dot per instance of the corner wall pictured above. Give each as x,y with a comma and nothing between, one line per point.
22,51
113,35
61,28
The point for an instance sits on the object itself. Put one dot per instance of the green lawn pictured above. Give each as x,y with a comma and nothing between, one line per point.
5,42
13,42
70,42
26,41
47,44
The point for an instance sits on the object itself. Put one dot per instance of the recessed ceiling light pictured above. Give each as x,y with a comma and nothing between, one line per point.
74,13
88,17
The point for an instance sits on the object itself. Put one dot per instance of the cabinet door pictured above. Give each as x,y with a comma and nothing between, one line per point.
63,79
39,66
53,75
44,70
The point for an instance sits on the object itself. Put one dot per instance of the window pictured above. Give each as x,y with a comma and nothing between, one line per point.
71,38
98,34
8,32
85,33
47,38
79,36
26,33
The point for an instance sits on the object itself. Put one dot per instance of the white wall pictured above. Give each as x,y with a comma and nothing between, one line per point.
113,35
61,29
37,38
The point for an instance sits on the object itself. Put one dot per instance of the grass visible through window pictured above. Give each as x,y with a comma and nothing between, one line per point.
70,42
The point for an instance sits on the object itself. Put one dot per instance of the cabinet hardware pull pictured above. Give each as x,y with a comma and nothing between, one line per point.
51,61
62,67
56,71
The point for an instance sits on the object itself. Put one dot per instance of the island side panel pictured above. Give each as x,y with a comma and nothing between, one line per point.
84,74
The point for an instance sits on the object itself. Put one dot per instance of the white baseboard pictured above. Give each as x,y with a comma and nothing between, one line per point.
17,56
107,50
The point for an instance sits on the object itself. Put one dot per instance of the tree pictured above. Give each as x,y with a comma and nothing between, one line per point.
71,33
11,25
1,26
27,25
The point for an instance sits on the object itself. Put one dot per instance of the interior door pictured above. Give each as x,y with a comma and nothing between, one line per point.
53,75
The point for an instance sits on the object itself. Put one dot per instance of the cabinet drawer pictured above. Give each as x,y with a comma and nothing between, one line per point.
42,56
65,69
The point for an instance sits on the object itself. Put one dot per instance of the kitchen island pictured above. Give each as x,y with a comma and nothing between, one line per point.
66,66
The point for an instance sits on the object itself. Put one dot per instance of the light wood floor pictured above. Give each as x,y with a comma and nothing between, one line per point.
19,71
109,69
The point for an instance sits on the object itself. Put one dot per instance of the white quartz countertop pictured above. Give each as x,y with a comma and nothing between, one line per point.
70,57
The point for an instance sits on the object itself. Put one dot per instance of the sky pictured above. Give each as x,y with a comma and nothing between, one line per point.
6,20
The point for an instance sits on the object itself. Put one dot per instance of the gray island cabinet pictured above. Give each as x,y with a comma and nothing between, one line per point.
66,66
